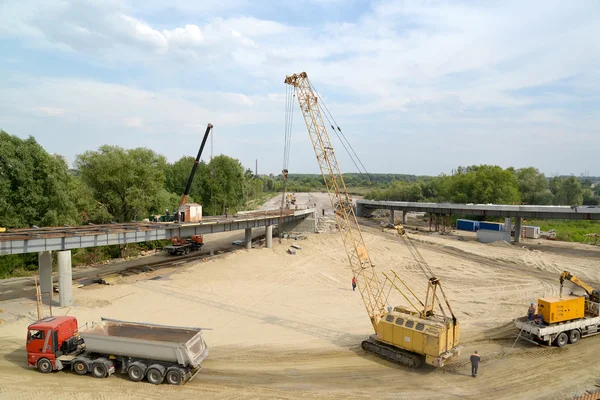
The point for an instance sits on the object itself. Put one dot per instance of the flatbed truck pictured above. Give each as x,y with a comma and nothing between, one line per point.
140,350
561,333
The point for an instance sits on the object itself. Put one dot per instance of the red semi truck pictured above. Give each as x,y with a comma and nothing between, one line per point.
156,352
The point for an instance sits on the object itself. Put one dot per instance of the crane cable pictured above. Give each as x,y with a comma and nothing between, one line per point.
289,118
331,120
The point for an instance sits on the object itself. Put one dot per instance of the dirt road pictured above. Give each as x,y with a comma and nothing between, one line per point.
290,326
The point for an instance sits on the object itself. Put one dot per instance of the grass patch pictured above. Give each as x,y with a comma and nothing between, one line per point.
568,231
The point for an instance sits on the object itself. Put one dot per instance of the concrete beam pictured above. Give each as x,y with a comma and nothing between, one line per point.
392,216
65,278
517,229
269,236
248,239
45,271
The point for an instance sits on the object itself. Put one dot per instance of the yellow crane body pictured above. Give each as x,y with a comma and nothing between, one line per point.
557,309
436,340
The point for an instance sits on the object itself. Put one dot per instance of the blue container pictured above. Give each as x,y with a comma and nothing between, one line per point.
491,226
467,225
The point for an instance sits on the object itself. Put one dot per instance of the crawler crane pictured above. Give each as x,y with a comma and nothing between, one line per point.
401,335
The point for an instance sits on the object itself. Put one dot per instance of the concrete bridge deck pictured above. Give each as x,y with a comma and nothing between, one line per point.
62,239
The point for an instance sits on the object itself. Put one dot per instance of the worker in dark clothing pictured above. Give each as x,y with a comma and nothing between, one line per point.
226,211
474,363
353,283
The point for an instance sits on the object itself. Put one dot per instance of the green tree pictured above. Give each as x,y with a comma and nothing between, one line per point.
34,185
480,184
126,182
228,185
569,192
533,186
177,174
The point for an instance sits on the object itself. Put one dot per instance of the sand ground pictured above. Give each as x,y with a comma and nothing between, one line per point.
289,326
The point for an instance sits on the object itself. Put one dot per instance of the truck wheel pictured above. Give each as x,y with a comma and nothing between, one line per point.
175,376
44,365
80,368
574,336
154,376
562,339
187,250
136,373
99,370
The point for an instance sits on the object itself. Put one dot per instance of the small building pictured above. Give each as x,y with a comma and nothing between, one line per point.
491,226
532,232
191,212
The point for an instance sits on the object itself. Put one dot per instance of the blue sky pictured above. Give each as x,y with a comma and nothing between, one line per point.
418,87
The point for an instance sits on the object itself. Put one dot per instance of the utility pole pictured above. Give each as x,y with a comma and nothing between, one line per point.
256,168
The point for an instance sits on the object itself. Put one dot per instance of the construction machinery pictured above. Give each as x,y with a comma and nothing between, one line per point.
181,246
185,212
401,335
563,319
156,352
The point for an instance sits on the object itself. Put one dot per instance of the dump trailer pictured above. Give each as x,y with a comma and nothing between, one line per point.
540,332
140,350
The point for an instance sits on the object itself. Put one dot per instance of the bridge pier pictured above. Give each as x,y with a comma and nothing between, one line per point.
65,278
404,212
45,271
517,229
248,239
269,236
392,216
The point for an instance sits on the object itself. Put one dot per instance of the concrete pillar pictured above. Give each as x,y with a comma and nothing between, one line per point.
507,228
404,212
45,270
269,236
517,229
65,278
248,238
391,216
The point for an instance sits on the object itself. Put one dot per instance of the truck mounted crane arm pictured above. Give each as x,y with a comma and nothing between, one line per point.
593,293
195,167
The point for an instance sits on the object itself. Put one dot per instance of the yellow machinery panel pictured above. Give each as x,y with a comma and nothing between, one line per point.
433,339
567,308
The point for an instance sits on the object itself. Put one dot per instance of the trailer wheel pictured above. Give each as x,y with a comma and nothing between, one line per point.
99,369
154,376
135,372
562,339
574,336
44,365
80,368
175,376
187,250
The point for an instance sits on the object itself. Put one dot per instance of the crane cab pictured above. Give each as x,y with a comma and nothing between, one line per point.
50,338
434,338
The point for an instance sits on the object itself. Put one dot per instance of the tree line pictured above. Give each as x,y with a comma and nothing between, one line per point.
482,184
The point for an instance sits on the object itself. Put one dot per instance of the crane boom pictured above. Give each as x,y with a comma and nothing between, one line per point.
362,267
195,167
593,293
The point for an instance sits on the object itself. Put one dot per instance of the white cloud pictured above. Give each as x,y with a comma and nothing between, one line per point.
51,111
133,122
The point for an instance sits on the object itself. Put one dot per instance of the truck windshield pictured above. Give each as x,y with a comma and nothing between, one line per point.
34,334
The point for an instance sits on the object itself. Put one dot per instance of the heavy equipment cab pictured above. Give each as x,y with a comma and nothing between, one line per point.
50,338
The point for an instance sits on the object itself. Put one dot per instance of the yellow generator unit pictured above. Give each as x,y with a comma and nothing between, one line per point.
556,309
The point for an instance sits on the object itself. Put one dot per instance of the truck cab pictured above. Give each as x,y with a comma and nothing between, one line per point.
50,338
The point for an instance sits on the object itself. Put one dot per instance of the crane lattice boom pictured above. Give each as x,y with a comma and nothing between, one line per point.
368,282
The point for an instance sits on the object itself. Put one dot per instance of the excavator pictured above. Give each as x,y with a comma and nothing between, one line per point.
401,334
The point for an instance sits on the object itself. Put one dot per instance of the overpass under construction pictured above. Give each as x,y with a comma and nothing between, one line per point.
63,239
364,207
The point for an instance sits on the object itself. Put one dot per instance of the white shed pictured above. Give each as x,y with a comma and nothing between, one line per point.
190,212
